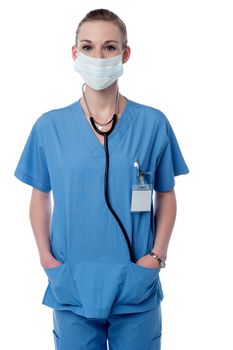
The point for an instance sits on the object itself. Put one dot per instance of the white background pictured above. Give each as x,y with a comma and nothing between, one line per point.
181,62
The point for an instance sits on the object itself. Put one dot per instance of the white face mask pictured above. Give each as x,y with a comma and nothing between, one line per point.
99,73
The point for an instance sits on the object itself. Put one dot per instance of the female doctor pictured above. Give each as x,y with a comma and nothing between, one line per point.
104,247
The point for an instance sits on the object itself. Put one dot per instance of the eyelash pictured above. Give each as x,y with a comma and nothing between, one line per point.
85,46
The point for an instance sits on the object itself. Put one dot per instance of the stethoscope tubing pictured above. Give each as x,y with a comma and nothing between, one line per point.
105,134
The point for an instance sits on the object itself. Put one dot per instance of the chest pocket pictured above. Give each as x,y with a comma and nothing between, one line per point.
142,188
149,175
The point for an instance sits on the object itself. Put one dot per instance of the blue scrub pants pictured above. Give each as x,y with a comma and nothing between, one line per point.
130,331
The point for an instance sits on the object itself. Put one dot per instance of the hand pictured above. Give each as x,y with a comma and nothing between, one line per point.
148,261
50,262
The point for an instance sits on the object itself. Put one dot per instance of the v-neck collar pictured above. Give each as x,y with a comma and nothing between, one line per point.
88,134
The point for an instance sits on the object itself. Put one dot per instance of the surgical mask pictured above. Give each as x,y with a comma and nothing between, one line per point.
99,73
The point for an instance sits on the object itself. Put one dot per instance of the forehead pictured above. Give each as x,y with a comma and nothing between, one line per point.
99,30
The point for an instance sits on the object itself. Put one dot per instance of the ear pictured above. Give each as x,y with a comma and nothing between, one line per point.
126,54
74,51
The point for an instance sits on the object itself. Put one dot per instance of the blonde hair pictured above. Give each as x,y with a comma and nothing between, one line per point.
104,15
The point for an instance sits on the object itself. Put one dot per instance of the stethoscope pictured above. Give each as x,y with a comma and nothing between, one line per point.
105,134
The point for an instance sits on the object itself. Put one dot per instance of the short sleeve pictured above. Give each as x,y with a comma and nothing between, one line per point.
171,163
32,166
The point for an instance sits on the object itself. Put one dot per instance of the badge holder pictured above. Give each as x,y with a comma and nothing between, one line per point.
142,192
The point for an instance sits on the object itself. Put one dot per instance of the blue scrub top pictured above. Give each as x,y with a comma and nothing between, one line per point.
63,155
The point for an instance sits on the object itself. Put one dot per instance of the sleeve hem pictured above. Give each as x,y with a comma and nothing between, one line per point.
169,188
181,172
29,180
165,188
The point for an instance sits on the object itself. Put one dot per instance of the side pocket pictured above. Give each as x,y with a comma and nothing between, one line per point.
140,283
62,284
56,340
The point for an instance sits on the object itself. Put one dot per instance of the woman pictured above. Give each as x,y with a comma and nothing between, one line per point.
105,245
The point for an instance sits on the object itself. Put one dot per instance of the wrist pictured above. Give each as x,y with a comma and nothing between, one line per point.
45,257
156,262
160,261
161,255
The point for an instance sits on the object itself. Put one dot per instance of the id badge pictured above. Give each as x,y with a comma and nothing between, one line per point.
141,197
141,193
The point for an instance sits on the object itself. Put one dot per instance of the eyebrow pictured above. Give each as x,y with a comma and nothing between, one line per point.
106,42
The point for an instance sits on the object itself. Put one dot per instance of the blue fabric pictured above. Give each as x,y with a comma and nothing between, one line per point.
63,154
32,167
170,162
132,331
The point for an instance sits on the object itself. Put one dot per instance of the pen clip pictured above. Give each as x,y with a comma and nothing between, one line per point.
140,174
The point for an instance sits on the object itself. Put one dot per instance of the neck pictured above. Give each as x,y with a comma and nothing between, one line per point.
101,102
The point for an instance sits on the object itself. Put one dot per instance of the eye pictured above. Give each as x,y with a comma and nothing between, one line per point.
107,48
110,48
86,47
